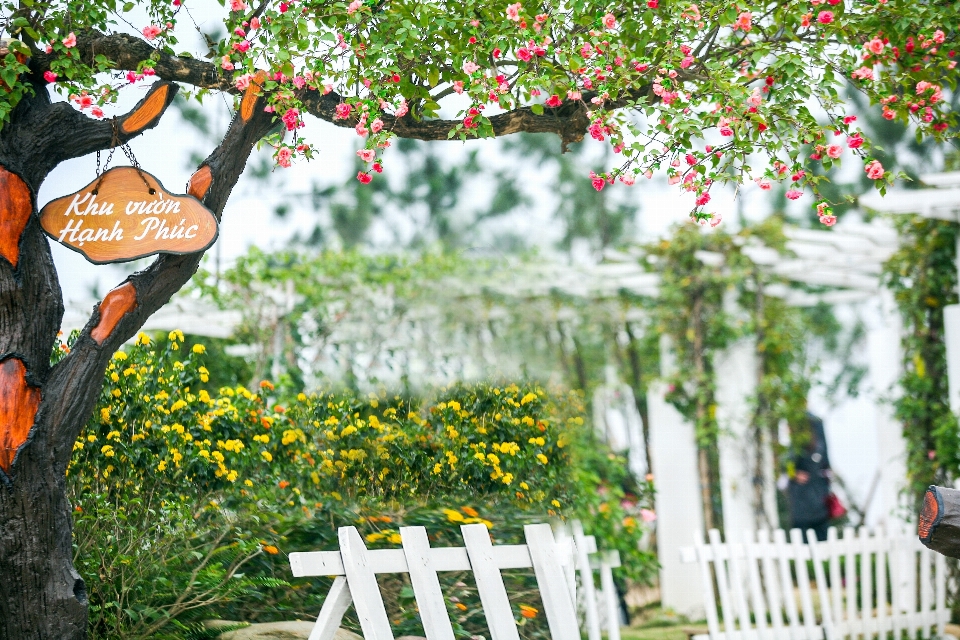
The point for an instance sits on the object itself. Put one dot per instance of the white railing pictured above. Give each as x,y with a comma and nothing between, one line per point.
554,561
866,583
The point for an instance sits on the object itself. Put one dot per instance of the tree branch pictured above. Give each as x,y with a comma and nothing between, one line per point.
127,52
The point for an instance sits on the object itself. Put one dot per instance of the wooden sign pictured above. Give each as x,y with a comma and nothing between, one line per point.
126,214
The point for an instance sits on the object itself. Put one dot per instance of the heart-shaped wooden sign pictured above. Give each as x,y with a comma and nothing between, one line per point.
126,214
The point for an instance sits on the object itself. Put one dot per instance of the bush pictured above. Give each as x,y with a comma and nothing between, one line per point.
187,498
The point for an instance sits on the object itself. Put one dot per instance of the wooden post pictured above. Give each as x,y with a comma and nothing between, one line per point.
939,521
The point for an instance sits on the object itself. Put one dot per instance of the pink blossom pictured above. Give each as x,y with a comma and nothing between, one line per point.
598,182
834,151
299,82
653,4
874,170
458,86
364,177
238,5
70,41
513,12
828,220
628,179
744,22
254,23
83,101
703,199
226,64
524,54
764,184
402,109
674,179
354,6
825,17
291,118
283,156
470,66
554,101
243,81
793,194
647,515
376,125
855,141
574,95
151,31
243,46
755,99
715,219
49,76
609,21
367,155
726,131
939,36
875,46
361,129
686,62
641,66
48,49
342,111
96,112
863,73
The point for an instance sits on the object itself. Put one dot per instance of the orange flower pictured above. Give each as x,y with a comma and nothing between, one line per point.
266,384
461,606
272,550
284,484
527,611
470,511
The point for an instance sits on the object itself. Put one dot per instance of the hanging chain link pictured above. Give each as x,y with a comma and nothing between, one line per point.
127,151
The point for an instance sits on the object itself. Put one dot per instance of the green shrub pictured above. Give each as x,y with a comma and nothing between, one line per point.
187,500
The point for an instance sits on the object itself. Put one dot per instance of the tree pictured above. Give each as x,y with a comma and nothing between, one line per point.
653,79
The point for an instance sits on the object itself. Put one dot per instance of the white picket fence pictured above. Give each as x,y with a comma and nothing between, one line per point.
864,583
554,560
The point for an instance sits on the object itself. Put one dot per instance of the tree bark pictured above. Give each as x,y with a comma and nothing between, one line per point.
43,408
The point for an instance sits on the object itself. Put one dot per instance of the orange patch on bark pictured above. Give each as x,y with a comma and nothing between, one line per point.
115,305
200,182
18,408
152,107
15,210
250,95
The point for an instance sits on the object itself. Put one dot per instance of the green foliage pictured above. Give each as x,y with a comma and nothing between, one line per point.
923,277
186,500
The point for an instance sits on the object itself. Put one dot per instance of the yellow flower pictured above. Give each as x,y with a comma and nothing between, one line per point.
266,456
116,393
232,476
143,339
524,486
162,466
437,468
507,478
115,377
120,355
107,450
175,335
394,538
78,445
374,537
555,503
453,515
542,458
113,434
92,438
105,415
203,453
199,348
249,483
302,397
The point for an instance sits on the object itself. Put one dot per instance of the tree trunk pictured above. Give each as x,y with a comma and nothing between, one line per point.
43,408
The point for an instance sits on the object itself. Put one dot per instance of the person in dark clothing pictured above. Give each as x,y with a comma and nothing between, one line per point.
809,481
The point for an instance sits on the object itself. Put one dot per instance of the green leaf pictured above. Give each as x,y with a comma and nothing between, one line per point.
537,109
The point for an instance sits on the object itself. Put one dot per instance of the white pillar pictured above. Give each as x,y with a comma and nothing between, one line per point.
673,455
883,342
736,379
951,331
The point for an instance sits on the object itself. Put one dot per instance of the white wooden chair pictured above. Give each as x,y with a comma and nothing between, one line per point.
759,599
355,568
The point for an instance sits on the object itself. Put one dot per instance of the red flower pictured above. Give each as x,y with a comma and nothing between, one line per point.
364,178
554,101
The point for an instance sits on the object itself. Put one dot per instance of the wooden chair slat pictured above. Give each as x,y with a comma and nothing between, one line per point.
426,584
367,601
557,599
486,573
